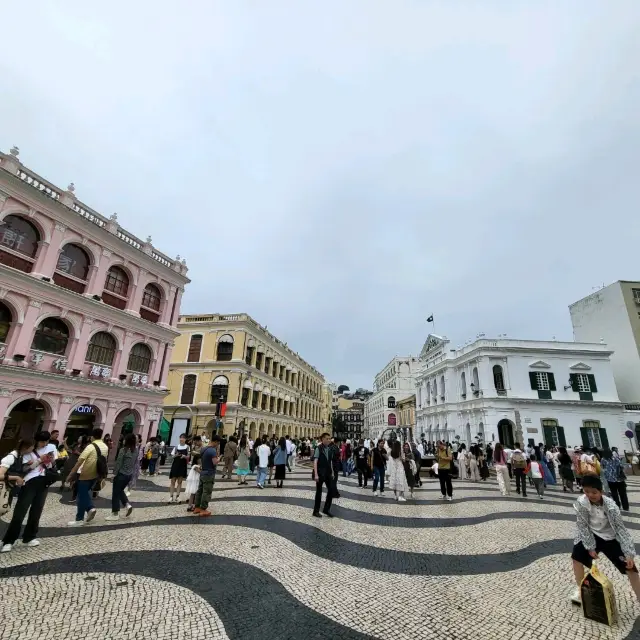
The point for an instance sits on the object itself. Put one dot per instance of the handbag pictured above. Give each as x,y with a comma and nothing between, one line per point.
5,494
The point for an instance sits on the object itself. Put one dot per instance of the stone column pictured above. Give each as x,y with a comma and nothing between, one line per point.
95,286
175,294
165,368
135,297
23,343
5,401
63,415
79,351
124,357
48,257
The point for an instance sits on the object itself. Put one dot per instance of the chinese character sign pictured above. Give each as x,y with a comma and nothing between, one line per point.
60,364
37,358
135,378
105,372
95,370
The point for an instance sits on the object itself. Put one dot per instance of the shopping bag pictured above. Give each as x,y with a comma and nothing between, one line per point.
598,600
5,494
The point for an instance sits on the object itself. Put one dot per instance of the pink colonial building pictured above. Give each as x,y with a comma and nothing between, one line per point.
87,315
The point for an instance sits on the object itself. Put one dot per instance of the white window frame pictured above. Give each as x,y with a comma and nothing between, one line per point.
542,381
593,433
582,381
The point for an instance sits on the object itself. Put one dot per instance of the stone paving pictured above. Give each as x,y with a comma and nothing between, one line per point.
481,567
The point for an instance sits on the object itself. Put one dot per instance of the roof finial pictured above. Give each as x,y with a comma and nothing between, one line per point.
149,240
14,151
71,187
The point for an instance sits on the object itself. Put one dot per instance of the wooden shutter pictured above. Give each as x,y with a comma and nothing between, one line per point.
573,378
562,441
585,437
533,380
592,383
548,436
188,389
552,381
604,438
194,349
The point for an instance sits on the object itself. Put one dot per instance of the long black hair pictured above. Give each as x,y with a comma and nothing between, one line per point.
282,443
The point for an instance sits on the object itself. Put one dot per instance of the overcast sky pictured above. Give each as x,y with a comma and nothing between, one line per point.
341,170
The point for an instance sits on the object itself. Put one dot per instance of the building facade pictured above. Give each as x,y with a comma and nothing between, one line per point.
406,410
87,315
559,393
348,419
231,365
612,316
395,382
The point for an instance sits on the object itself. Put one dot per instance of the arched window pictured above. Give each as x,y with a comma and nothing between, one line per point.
391,402
219,389
188,389
463,385
498,378
52,336
18,236
476,381
195,346
151,299
72,269
101,349
5,321
225,348
116,288
139,358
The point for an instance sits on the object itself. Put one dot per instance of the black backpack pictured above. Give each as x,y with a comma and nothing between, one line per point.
101,463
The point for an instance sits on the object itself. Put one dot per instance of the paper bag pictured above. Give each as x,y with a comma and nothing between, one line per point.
598,600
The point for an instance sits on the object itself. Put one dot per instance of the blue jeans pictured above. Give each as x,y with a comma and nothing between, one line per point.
378,475
84,501
262,475
152,465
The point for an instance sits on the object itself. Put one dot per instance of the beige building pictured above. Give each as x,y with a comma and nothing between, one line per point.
406,410
231,364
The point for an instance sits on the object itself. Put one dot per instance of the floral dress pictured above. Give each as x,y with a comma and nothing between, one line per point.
397,476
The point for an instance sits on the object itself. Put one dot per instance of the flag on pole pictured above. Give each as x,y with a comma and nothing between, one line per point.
430,318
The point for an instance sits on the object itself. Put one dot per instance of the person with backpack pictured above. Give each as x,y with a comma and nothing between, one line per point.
12,472
92,468
519,468
122,472
33,473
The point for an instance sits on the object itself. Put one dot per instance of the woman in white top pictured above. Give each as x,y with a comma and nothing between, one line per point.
397,477
33,492
462,462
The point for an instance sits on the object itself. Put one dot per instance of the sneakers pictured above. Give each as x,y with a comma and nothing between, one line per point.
171,500
541,497
260,486
376,493
449,498
32,543
129,511
7,547
113,516
401,499
575,596
91,514
443,497
75,523
316,514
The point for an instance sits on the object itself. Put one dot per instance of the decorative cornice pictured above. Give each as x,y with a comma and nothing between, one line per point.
35,303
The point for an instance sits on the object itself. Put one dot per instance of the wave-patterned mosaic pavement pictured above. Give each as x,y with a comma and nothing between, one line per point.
480,567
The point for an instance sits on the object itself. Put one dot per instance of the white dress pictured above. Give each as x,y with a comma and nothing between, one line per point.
397,476
462,465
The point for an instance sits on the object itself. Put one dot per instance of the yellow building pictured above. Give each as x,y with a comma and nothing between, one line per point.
406,410
267,387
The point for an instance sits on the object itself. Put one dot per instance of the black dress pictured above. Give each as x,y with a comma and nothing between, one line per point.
179,464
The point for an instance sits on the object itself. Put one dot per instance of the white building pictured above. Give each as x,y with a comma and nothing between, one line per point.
519,390
396,381
612,315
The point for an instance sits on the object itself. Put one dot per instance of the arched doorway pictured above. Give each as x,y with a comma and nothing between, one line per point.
126,421
24,421
505,433
481,432
252,431
81,421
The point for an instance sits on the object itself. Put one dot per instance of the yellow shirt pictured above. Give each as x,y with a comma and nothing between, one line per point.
89,460
442,454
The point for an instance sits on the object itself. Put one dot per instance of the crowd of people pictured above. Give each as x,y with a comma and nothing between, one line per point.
599,476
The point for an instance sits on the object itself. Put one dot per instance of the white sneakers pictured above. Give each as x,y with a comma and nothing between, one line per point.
401,499
91,514
9,547
376,493
443,497
129,510
449,498
76,523
575,596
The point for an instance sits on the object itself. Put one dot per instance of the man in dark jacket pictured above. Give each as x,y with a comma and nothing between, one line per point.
323,465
